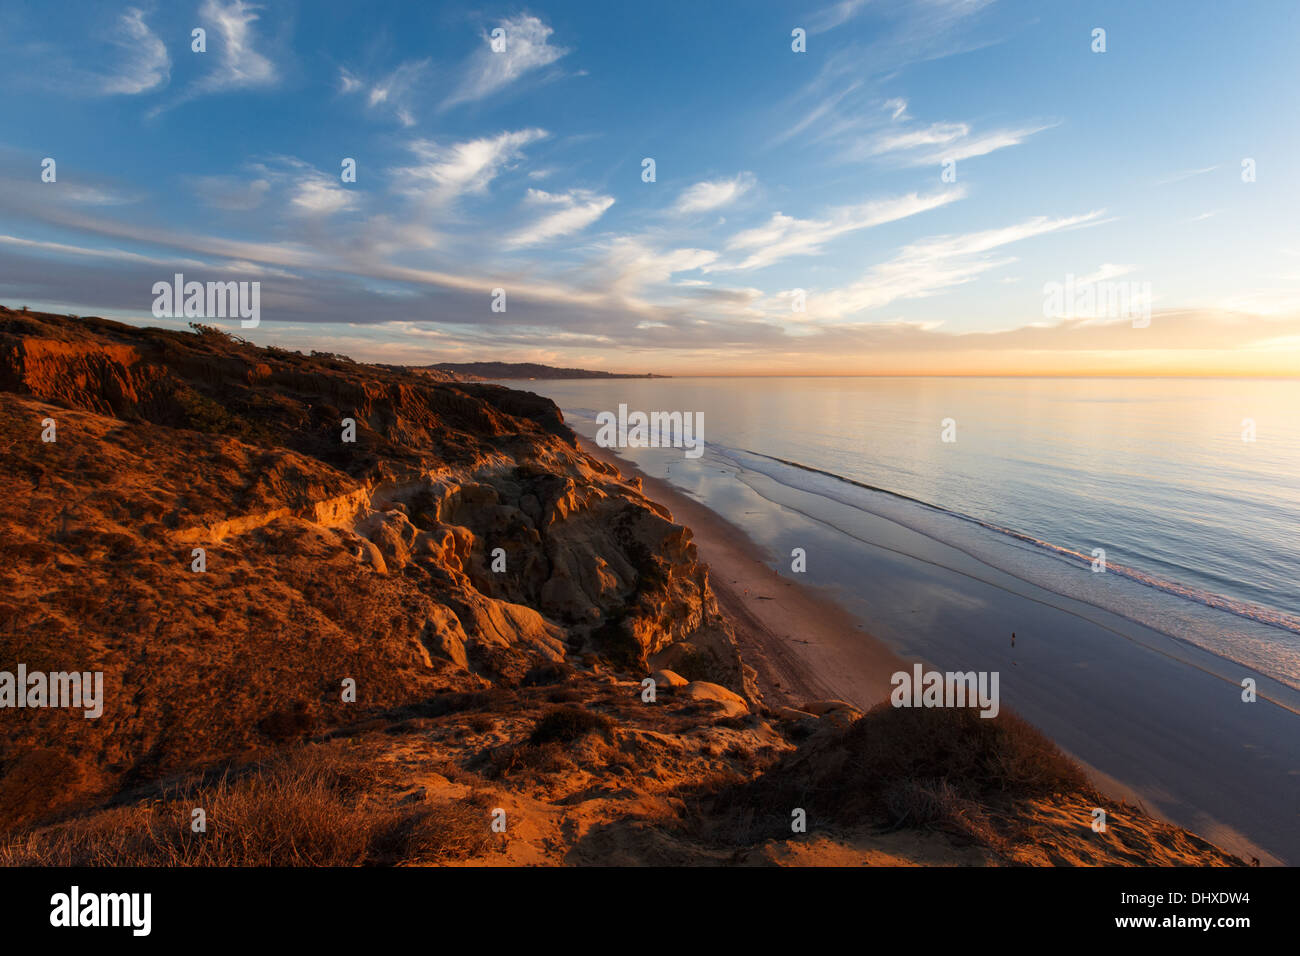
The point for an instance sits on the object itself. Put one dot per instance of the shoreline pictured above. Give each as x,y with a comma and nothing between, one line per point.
1148,729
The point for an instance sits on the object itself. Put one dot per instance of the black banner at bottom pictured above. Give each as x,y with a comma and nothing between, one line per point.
333,906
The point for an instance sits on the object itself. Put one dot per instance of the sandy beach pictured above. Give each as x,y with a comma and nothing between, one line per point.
1152,723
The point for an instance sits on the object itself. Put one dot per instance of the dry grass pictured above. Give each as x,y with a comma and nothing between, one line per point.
529,762
936,805
303,809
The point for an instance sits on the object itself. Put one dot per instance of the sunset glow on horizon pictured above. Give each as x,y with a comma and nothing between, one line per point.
952,187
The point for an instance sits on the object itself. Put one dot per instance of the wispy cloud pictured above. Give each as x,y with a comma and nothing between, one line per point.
571,212
145,64
447,172
903,32
846,104
125,58
629,265
1105,272
783,236
321,195
837,14
94,195
290,185
853,123
240,64
66,249
713,194
819,120
393,93
232,44
933,143
527,48
1186,174
934,265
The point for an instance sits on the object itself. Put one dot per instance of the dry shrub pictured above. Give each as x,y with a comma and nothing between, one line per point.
549,748
443,833
529,759
934,804
455,702
551,672
304,809
897,767
567,724
481,723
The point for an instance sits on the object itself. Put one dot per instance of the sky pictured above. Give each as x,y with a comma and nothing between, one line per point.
857,187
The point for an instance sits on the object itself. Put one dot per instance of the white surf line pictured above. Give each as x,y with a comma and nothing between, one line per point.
1293,707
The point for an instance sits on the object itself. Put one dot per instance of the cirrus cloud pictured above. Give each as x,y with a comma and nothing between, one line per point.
573,212
527,48
713,194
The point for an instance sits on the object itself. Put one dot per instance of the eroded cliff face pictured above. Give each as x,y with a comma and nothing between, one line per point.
461,540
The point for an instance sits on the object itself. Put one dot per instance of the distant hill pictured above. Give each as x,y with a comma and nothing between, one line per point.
521,370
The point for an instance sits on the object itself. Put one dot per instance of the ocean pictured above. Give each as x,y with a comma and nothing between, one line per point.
1190,487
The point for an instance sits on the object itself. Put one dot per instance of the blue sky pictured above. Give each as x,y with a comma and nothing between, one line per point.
775,171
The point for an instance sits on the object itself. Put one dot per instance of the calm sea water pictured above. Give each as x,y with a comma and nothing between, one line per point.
1200,528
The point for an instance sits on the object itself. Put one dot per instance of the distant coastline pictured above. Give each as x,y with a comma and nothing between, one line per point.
523,370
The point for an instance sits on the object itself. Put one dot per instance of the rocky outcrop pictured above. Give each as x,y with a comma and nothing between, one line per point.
354,523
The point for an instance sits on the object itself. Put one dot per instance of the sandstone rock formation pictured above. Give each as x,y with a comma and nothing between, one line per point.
460,540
